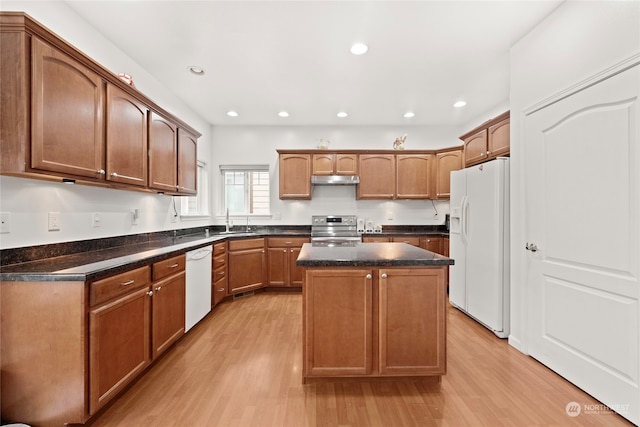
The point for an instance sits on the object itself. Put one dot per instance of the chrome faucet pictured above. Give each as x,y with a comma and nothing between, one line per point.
227,221
248,229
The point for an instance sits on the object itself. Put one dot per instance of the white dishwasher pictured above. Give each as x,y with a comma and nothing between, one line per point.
198,289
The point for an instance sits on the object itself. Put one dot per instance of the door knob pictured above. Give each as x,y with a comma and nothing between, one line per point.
531,247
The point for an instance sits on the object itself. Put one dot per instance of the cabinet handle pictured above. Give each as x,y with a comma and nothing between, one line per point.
158,288
114,174
284,250
384,275
102,172
127,283
488,152
291,250
150,293
221,290
368,276
221,273
174,265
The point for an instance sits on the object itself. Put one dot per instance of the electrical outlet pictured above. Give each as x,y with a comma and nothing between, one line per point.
5,222
135,215
54,221
95,219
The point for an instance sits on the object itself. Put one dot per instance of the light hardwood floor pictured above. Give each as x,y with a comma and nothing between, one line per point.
241,366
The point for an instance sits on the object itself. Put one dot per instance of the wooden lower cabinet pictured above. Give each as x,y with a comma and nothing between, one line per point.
338,327
118,345
219,277
247,265
376,322
411,240
282,253
432,243
412,322
168,305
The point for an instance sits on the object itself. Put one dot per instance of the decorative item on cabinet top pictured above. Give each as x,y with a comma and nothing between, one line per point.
58,121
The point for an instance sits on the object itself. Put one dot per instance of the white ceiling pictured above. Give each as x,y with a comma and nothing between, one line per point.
262,57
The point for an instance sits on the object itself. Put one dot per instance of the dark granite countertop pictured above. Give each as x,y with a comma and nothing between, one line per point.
95,264
369,255
94,259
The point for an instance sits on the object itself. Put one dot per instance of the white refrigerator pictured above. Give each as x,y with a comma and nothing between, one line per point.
479,243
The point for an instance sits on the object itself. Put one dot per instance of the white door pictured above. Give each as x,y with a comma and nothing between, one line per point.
485,215
582,190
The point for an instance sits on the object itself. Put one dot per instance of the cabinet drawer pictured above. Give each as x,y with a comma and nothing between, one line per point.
219,273
219,260
286,242
415,241
239,245
168,266
120,284
219,248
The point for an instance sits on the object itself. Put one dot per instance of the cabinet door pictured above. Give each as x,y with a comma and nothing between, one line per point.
218,287
499,138
337,312
432,243
295,176
346,164
445,164
118,345
372,239
278,267
187,162
167,314
413,176
67,115
323,164
296,274
126,138
163,153
475,148
246,270
377,176
412,337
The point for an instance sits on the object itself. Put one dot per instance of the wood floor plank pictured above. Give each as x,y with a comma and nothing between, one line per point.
242,366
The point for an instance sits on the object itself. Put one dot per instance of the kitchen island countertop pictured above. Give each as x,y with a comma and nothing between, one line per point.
369,255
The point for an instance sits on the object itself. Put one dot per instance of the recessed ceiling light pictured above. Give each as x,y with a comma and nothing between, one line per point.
283,114
232,113
194,69
460,104
342,114
359,48
409,114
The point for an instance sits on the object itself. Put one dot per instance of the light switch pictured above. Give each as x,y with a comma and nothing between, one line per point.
54,221
95,219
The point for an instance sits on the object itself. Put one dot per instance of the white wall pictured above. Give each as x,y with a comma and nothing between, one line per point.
258,144
577,41
29,201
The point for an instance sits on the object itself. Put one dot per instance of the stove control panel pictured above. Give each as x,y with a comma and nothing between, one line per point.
334,220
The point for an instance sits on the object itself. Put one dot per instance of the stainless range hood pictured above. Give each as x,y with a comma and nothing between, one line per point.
335,179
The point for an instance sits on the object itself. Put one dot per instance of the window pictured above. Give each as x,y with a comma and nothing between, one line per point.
245,189
198,205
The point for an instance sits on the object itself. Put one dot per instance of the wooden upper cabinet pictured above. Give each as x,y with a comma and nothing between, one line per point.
163,153
377,176
64,116
187,162
499,138
67,115
335,164
487,141
445,164
413,176
295,176
475,148
126,138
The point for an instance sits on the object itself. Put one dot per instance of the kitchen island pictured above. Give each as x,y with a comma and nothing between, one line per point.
373,310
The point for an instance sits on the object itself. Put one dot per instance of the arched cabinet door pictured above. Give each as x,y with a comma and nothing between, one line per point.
67,115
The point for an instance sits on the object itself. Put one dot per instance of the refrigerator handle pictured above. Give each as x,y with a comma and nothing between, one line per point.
463,219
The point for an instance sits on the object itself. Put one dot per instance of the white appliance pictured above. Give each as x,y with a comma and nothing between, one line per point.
479,243
198,287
